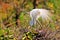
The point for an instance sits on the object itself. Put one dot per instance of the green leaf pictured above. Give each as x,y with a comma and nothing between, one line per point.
1,32
53,18
52,25
21,16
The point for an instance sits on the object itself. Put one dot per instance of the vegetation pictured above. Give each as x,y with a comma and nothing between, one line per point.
14,20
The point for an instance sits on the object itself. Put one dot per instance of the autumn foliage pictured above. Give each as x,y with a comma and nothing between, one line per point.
14,20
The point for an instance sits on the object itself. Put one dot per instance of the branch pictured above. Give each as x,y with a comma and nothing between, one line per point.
34,4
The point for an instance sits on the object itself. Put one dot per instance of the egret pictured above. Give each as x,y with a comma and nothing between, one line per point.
37,13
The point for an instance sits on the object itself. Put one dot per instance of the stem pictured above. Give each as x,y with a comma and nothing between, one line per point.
34,4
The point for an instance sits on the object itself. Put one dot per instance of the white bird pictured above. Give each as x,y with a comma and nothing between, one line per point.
37,13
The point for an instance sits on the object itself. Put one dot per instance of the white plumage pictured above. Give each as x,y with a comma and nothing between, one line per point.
36,13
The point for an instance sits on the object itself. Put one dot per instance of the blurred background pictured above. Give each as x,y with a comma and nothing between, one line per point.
14,19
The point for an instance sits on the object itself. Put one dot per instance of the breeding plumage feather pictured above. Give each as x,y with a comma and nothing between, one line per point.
37,13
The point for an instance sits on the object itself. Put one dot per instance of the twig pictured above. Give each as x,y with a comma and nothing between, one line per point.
53,34
10,24
39,23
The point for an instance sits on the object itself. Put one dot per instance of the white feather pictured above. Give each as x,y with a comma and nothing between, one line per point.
36,13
